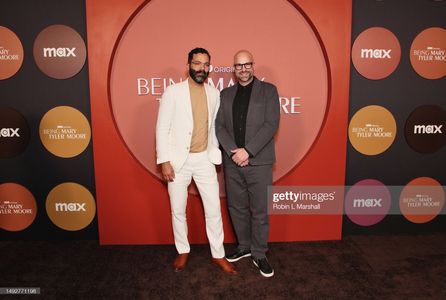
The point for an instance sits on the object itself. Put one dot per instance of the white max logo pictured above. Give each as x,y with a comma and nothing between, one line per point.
427,129
70,206
59,52
371,202
375,53
9,132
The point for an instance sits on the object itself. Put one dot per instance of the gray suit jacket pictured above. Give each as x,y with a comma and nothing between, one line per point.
262,122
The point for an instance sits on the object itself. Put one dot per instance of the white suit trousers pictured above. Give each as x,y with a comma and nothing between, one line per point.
198,167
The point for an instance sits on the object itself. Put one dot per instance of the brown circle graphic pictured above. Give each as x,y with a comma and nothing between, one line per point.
138,77
14,133
376,53
59,51
372,130
422,200
65,131
11,53
425,129
18,208
70,206
428,53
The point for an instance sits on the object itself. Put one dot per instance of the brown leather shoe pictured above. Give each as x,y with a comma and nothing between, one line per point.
180,262
224,265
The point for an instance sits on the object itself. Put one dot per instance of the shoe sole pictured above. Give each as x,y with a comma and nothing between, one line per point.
238,258
261,273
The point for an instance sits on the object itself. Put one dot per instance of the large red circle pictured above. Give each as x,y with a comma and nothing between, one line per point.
153,49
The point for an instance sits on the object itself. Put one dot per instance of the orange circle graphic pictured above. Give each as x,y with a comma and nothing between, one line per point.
70,206
11,53
376,53
372,130
65,131
422,200
428,53
18,208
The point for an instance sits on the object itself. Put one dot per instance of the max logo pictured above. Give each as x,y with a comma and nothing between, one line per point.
9,132
427,129
367,202
59,52
70,206
375,53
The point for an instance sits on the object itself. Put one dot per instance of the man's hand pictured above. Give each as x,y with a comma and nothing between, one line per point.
244,163
167,171
240,157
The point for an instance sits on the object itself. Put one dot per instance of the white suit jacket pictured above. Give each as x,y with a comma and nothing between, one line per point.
175,124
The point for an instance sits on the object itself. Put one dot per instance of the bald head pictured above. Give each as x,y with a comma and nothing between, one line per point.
244,67
244,55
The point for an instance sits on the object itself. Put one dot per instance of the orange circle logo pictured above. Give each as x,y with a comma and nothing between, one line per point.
59,51
65,131
70,206
428,53
18,208
11,53
422,200
294,61
372,130
376,53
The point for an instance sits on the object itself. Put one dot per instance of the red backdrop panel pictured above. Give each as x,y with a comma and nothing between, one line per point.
133,205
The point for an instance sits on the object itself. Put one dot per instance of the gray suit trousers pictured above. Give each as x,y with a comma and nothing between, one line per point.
246,189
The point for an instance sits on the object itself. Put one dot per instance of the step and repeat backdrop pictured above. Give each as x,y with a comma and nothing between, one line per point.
362,98
396,158
47,186
137,48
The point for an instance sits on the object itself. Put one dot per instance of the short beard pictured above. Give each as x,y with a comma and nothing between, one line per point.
249,77
199,77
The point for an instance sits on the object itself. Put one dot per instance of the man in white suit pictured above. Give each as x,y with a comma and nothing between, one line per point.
187,147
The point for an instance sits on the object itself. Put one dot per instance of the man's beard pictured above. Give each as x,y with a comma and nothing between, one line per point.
198,76
249,77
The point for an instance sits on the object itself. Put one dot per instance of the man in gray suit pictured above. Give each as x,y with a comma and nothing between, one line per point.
246,123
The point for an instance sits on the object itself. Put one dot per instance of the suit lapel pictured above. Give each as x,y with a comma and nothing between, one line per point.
231,98
255,93
187,104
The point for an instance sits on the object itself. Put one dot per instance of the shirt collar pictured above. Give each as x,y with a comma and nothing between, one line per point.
248,86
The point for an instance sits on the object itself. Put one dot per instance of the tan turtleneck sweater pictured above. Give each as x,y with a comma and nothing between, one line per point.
199,105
